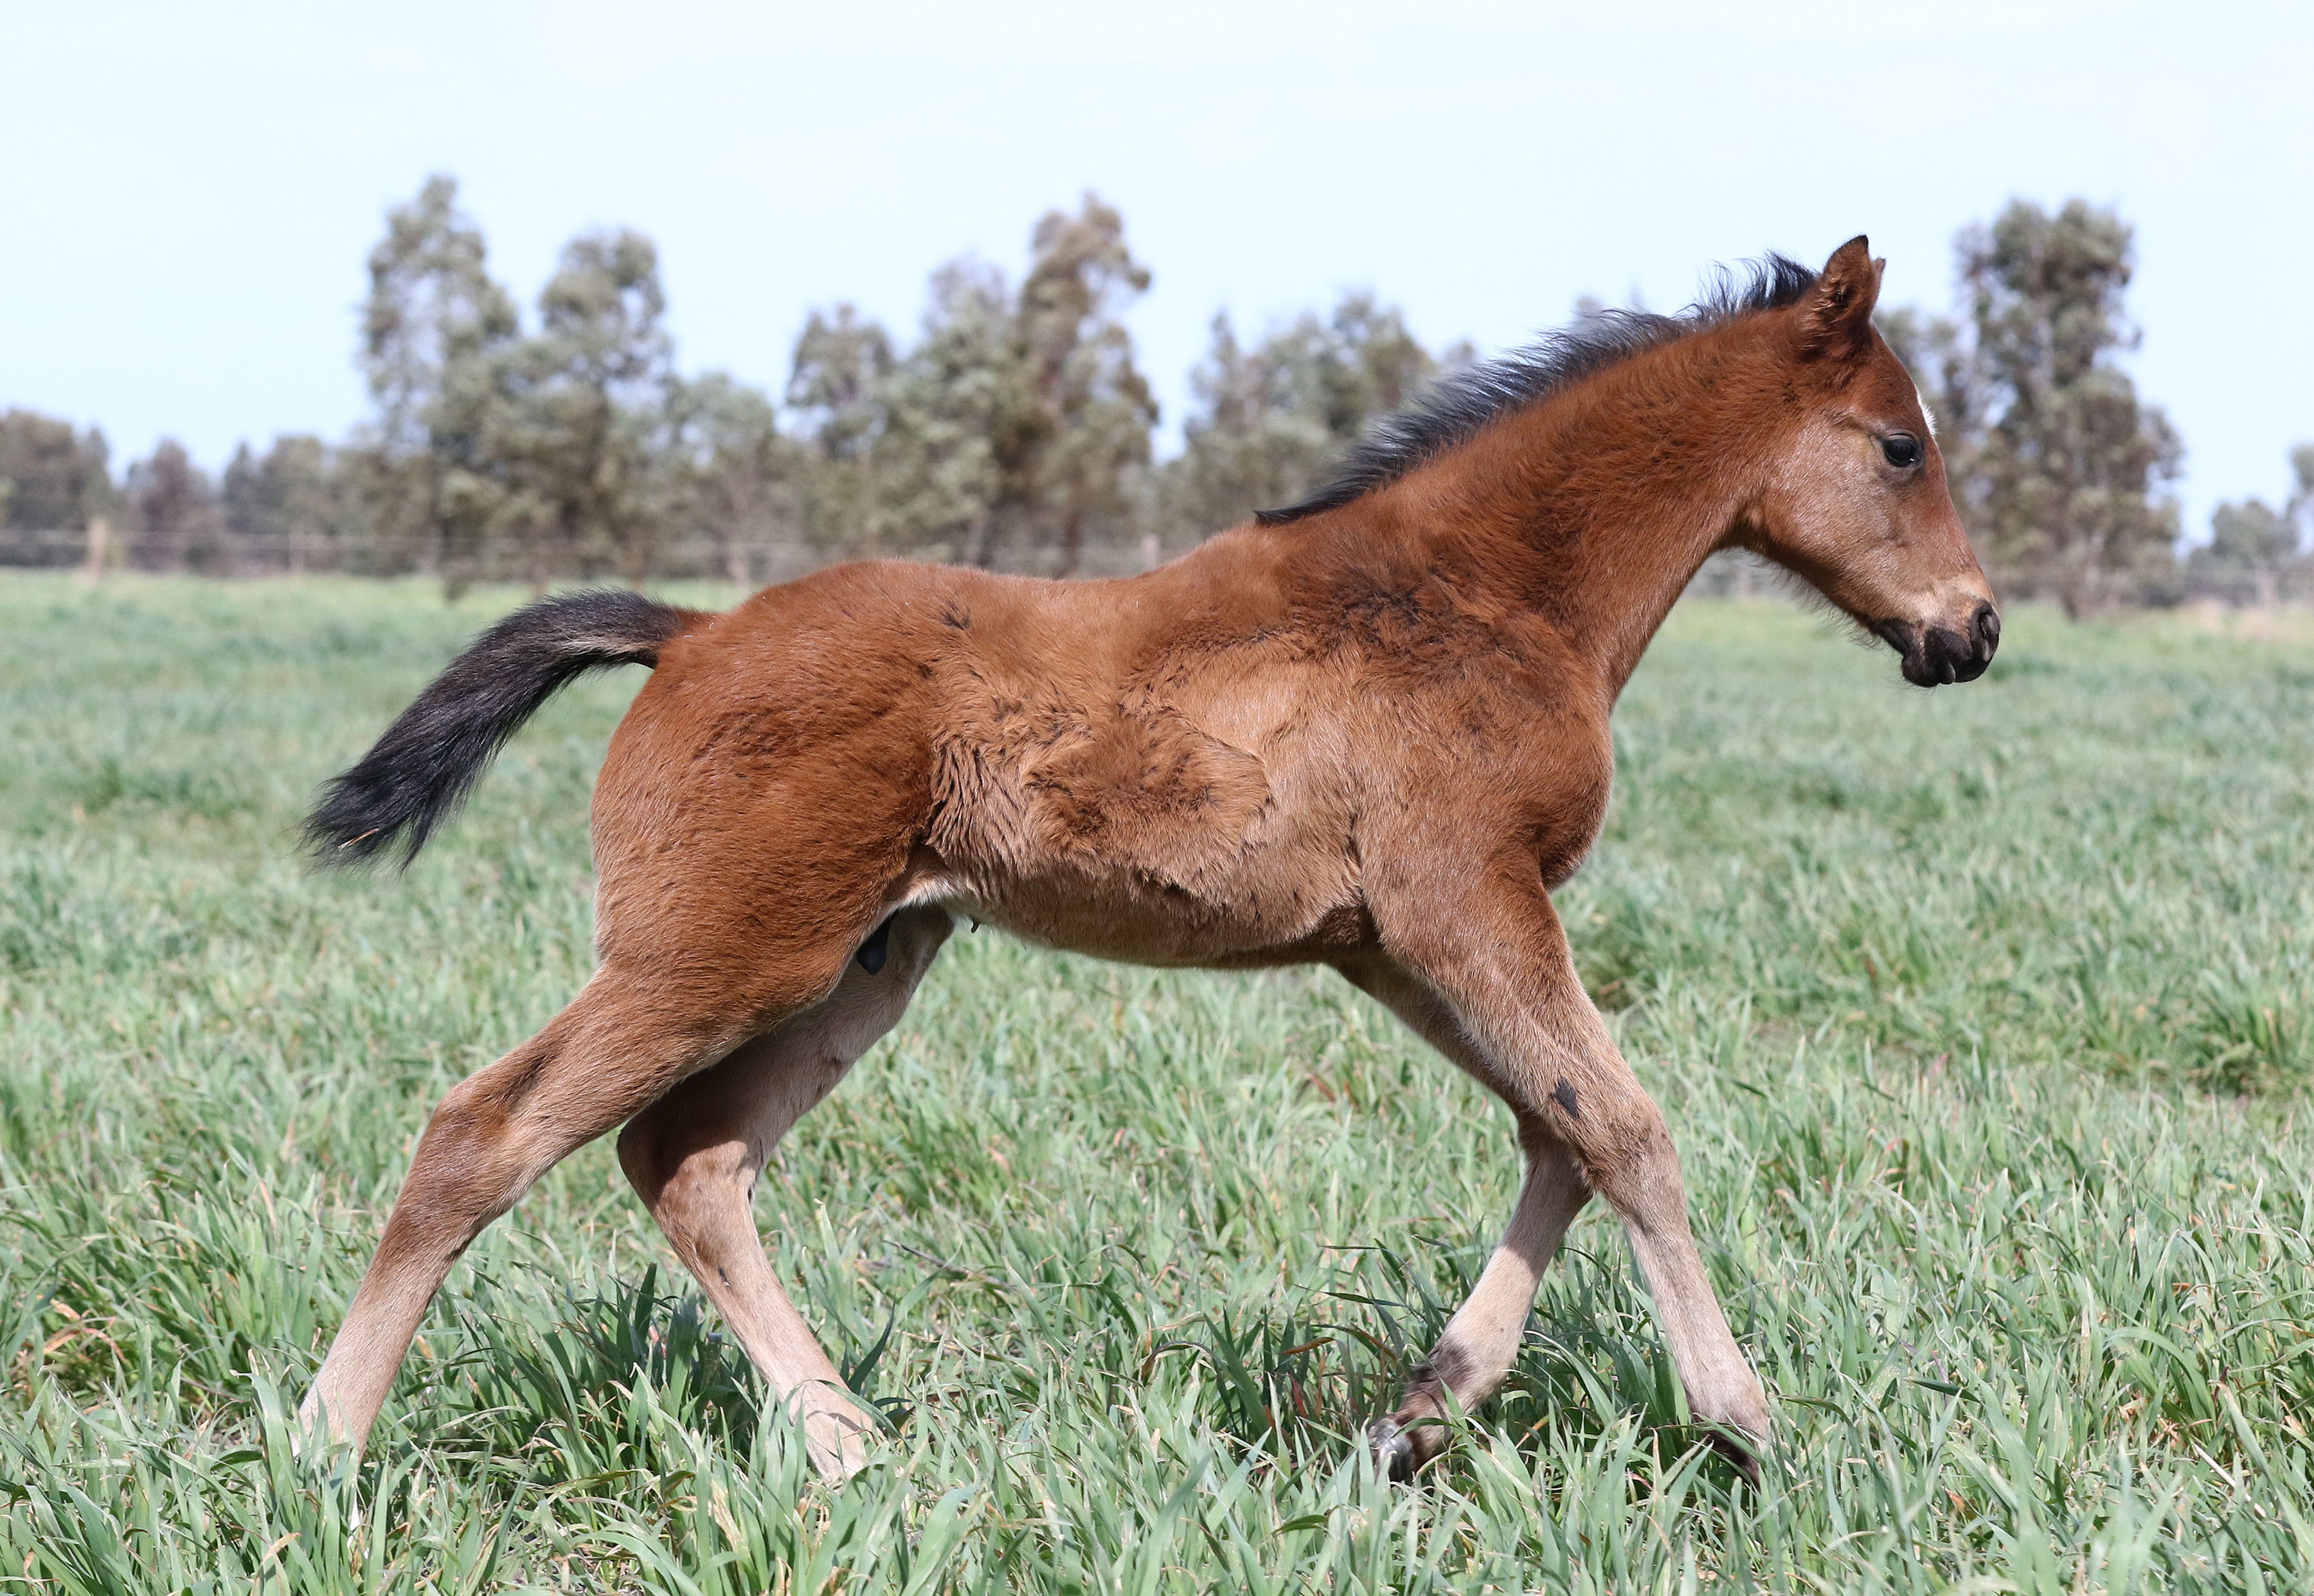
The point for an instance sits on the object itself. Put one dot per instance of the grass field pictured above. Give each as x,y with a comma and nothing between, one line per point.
1986,1020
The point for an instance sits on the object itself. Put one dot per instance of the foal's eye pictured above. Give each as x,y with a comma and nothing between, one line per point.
1902,449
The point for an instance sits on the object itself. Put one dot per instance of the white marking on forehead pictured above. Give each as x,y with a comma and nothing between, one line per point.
1926,414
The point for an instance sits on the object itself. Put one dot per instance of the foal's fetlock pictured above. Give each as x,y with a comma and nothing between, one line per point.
835,1437
1739,1434
315,1430
1408,1438
1743,1450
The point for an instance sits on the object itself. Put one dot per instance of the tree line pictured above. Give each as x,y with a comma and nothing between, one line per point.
1013,429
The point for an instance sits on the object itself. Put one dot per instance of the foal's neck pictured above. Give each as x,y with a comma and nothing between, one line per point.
1595,508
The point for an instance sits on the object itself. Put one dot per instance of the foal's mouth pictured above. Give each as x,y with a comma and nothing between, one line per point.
1935,656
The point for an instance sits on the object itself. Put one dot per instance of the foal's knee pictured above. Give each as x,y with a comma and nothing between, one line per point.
1620,1143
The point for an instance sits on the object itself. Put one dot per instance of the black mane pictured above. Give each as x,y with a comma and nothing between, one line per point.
1458,405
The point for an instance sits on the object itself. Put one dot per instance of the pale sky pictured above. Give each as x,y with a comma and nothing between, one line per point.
187,193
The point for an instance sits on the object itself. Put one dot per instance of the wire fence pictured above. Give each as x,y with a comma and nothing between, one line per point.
755,560
761,561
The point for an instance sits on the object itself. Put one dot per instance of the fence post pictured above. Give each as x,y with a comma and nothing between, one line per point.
100,537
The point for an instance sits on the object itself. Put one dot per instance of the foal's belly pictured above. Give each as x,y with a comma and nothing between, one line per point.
1296,909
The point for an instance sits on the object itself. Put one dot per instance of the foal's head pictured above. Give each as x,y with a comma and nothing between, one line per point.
1858,506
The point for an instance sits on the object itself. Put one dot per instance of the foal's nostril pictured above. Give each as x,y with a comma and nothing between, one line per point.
1986,630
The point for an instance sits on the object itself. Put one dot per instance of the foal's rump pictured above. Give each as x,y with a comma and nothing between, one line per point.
759,804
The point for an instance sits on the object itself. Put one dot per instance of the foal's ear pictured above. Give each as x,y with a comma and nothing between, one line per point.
1837,319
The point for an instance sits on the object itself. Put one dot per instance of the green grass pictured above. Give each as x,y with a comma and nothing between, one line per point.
1982,1017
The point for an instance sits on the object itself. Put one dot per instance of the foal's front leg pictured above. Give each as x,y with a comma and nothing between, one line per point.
1498,962
1480,1342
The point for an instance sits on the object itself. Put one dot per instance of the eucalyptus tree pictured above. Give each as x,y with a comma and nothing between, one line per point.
173,506
721,470
2060,462
590,400
2261,549
1017,426
53,477
438,334
1070,467
958,411
1269,419
288,507
836,392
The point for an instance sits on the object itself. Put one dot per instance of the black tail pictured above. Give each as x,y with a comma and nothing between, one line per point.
430,759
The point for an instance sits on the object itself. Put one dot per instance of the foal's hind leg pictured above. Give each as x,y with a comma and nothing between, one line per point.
621,1043
1480,1342
694,1156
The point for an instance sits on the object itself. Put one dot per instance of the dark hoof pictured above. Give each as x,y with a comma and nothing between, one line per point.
1392,1448
1736,1450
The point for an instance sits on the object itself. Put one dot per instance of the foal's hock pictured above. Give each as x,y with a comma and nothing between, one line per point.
1370,731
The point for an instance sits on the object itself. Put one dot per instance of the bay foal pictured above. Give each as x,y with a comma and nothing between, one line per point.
1369,731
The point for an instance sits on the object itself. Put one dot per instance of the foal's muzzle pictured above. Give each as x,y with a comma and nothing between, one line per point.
1936,655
